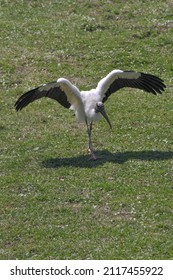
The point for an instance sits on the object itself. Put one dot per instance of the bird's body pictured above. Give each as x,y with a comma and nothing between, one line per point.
83,102
88,105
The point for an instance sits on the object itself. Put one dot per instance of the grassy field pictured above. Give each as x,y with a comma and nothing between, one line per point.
55,202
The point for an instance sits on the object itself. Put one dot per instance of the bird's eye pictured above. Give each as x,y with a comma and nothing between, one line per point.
100,104
99,107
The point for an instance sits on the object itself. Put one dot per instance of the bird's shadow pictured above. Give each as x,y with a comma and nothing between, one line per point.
104,156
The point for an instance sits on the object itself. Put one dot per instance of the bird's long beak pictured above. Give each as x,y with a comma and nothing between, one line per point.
106,117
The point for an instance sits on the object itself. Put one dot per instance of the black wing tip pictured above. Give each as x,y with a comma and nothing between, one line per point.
154,77
25,99
20,103
158,81
155,82
18,107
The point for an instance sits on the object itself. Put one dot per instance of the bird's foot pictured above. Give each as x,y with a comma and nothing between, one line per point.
93,156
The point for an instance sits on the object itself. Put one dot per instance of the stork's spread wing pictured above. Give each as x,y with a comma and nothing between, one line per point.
61,90
118,79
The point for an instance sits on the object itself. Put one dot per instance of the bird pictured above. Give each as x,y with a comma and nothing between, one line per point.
89,105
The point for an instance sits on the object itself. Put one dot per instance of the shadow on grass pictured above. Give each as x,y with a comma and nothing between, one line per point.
106,156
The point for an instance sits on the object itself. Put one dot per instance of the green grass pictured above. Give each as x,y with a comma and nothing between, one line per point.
55,203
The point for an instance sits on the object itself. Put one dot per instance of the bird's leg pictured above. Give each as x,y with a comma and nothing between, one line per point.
90,149
89,135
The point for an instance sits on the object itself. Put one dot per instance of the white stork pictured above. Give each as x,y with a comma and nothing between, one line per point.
89,105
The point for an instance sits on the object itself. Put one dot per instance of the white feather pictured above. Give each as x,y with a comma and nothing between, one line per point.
74,97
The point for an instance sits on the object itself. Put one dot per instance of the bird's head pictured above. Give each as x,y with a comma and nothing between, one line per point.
100,109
